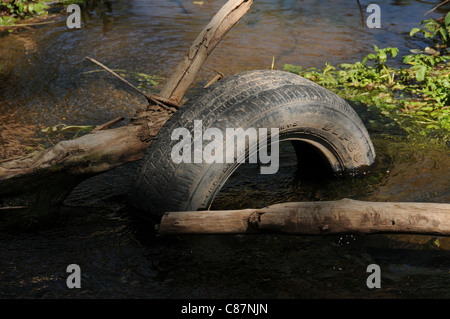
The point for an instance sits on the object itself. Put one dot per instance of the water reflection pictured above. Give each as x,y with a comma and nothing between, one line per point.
101,9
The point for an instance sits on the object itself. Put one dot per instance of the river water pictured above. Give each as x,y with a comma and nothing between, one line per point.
46,81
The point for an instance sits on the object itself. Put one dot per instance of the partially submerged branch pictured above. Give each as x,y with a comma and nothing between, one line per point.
43,179
439,5
151,98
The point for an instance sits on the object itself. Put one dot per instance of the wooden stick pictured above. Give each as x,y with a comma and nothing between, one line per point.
150,97
218,72
361,13
216,78
207,40
13,207
27,24
108,124
315,218
439,5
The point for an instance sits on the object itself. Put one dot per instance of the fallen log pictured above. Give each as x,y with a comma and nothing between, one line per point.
345,216
42,180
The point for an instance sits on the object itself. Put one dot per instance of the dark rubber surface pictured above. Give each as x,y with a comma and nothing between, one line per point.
301,109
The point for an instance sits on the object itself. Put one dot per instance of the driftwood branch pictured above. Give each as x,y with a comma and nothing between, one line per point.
439,5
206,41
361,13
152,98
315,218
43,179
219,76
108,124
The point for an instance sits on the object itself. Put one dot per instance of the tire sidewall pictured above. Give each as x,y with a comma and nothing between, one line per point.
308,122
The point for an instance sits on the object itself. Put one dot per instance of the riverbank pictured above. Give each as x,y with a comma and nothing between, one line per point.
20,15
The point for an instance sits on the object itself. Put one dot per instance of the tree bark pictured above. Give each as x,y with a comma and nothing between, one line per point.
42,180
315,218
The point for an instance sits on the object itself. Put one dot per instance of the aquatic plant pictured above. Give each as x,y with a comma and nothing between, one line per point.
144,81
20,9
13,10
437,31
416,96
63,127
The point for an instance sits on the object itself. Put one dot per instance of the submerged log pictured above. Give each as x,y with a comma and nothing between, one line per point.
315,218
42,180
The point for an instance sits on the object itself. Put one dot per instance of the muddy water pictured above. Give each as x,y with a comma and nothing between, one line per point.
45,81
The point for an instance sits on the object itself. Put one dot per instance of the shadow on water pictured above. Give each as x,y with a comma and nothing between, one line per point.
119,256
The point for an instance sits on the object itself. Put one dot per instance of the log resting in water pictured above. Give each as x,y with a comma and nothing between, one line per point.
315,218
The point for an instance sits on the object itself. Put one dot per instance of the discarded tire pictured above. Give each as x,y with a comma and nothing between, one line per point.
300,109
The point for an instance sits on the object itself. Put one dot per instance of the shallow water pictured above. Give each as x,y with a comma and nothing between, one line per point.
45,82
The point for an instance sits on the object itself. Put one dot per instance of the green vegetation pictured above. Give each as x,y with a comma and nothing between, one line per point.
63,127
416,97
435,30
13,10
143,81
